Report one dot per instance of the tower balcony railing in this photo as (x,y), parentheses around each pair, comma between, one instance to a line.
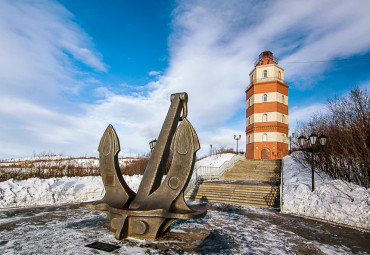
(259,59)
(276,78)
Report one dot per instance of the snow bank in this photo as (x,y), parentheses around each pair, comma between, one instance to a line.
(214,160)
(35,191)
(332,200)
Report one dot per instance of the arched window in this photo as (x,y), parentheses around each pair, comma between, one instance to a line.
(283,118)
(264,73)
(249,139)
(252,78)
(264,119)
(249,102)
(279,75)
(264,138)
(282,98)
(265,98)
(249,120)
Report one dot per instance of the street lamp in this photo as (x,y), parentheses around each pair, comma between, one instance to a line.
(152,144)
(237,140)
(290,142)
(311,142)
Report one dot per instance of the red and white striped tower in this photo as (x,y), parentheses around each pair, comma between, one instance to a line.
(267,110)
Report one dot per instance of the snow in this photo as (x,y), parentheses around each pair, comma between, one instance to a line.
(333,200)
(224,230)
(36,192)
(214,160)
(56,161)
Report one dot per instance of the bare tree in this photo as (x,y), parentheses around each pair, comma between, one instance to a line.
(347,126)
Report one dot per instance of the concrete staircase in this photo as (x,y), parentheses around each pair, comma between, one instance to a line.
(249,182)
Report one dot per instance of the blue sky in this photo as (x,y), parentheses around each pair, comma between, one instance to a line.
(69,68)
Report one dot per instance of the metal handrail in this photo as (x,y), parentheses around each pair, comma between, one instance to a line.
(281,182)
(259,59)
(211,172)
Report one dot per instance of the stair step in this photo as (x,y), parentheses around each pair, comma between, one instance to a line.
(230,201)
(246,198)
(228,191)
(249,182)
(225,186)
(243,198)
(234,194)
(239,188)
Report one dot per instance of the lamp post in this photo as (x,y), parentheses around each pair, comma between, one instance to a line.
(237,138)
(310,142)
(152,144)
(290,142)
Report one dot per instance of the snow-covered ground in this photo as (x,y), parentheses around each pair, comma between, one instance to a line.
(333,200)
(34,191)
(214,160)
(224,230)
(49,161)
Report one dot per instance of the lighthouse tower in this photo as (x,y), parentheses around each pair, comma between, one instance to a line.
(267,110)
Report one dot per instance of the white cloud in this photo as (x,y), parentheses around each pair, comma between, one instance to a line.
(298,114)
(154,73)
(365,85)
(212,50)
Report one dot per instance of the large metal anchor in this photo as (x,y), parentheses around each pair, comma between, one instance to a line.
(149,213)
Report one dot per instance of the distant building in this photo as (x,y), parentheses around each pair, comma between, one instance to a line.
(267,110)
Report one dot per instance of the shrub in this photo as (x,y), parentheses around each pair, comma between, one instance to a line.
(346,155)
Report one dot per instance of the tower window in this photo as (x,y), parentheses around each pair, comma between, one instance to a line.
(279,75)
(264,73)
(265,98)
(249,139)
(249,102)
(249,120)
(282,98)
(264,119)
(283,118)
(264,138)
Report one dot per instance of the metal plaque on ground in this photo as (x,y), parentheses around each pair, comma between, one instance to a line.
(103,246)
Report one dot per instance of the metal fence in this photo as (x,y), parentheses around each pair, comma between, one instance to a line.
(211,173)
(281,183)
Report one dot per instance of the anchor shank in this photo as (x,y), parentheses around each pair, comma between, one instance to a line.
(155,169)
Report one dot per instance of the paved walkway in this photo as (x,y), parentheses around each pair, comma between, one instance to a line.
(225,230)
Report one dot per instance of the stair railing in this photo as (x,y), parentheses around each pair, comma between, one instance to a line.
(211,172)
(281,182)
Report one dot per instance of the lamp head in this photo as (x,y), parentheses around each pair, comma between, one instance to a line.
(302,140)
(152,144)
(313,139)
(323,139)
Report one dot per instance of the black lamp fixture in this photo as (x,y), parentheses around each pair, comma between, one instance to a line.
(152,144)
(290,142)
(310,142)
(312,139)
(323,139)
(302,140)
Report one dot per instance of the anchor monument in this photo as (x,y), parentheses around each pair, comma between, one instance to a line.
(148,213)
